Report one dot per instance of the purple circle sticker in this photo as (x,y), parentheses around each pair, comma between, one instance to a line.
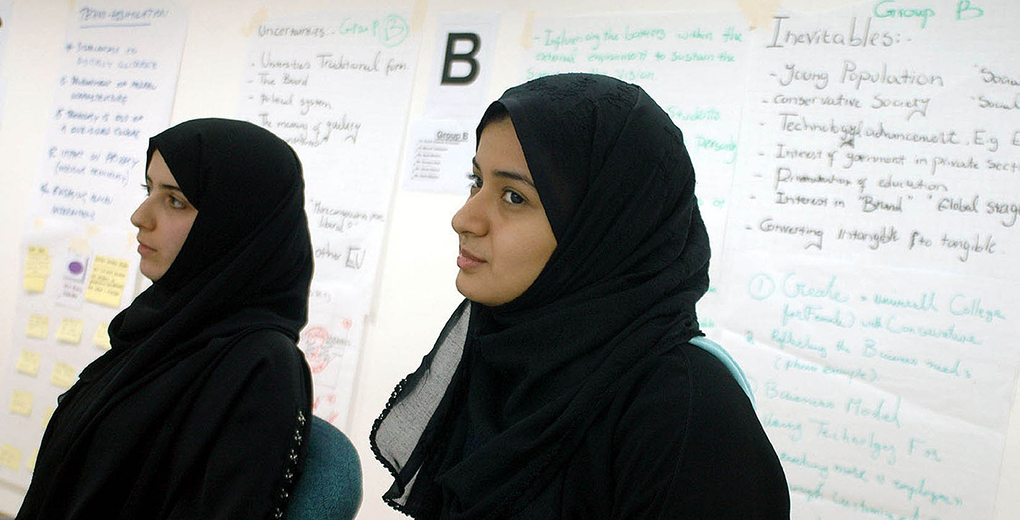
(76,267)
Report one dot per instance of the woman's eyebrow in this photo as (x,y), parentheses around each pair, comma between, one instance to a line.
(507,174)
(148,180)
(171,187)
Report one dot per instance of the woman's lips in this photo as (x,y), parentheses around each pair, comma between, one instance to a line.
(467,260)
(144,249)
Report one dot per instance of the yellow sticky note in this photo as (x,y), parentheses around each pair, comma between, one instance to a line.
(38,326)
(63,375)
(21,403)
(102,337)
(70,330)
(37,262)
(37,269)
(10,457)
(35,283)
(28,362)
(30,462)
(46,417)
(107,280)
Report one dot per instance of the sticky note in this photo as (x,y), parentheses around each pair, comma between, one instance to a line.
(28,362)
(21,403)
(102,337)
(30,461)
(35,283)
(10,457)
(107,280)
(70,330)
(38,326)
(46,417)
(37,261)
(37,269)
(63,375)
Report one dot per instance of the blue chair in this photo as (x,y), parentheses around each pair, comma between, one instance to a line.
(330,487)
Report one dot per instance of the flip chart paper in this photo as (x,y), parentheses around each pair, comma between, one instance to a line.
(868,261)
(115,88)
(693,66)
(337,88)
(332,343)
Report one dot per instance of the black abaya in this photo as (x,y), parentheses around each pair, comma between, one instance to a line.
(582,398)
(201,407)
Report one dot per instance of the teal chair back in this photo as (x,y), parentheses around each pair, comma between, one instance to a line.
(330,486)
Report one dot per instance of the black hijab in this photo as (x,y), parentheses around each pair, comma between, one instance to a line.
(509,392)
(244,269)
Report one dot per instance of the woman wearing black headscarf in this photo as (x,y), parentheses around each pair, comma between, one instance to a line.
(200,408)
(567,384)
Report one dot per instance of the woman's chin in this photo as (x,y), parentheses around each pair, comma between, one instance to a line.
(151,272)
(480,292)
(469,288)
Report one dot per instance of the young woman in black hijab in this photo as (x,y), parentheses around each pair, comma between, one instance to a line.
(567,384)
(201,407)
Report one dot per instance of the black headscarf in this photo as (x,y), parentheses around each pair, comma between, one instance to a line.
(145,424)
(509,392)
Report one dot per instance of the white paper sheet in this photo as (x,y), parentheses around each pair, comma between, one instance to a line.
(332,344)
(337,88)
(905,377)
(880,154)
(462,100)
(439,156)
(871,293)
(693,66)
(115,89)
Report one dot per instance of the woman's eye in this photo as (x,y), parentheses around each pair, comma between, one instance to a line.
(475,181)
(513,197)
(176,204)
(145,187)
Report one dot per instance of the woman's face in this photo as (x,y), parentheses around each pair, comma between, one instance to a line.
(163,219)
(505,237)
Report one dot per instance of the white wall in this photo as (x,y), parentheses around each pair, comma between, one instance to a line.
(416,292)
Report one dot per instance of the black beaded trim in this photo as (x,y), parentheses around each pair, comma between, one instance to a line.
(290,469)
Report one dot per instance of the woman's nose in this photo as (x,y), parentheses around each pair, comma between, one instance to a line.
(470,218)
(142,217)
